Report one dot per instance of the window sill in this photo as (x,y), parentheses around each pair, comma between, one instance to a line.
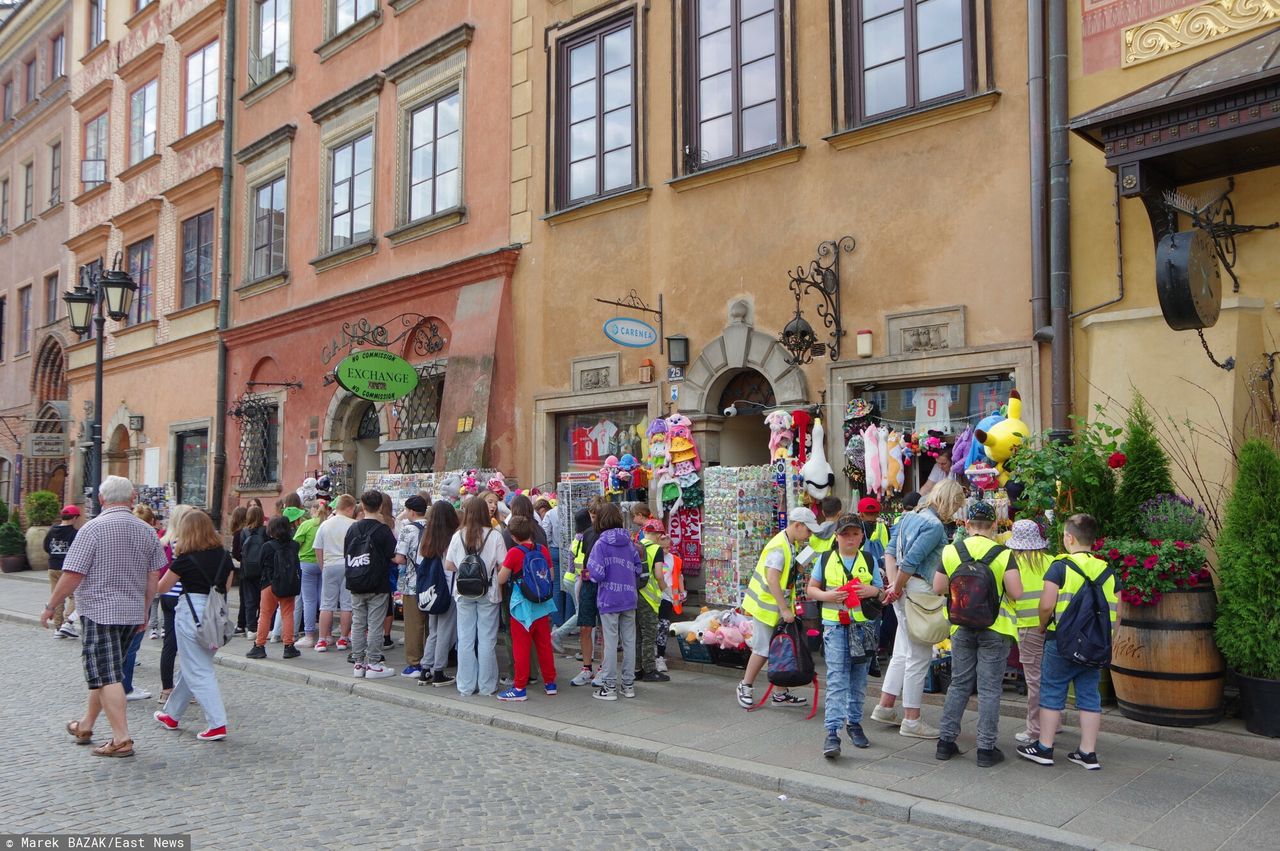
(346,254)
(25,226)
(22,356)
(338,41)
(95,51)
(261,489)
(125,330)
(402,6)
(426,226)
(192,310)
(27,109)
(737,168)
(91,193)
(47,92)
(258,286)
(197,136)
(141,16)
(5,235)
(51,210)
(139,167)
(899,124)
(260,90)
(596,206)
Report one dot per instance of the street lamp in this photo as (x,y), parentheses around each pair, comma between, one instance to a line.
(112,294)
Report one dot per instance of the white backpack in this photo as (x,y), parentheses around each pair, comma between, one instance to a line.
(214,626)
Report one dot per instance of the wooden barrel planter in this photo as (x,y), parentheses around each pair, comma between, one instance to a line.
(1165,666)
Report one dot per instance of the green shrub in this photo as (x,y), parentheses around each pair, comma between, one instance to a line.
(4,512)
(1248,626)
(43,508)
(12,542)
(1146,470)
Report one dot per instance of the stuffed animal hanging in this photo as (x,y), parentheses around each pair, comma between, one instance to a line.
(803,444)
(1001,440)
(818,475)
(780,434)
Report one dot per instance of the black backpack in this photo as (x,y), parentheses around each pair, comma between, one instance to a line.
(973,600)
(283,568)
(367,569)
(251,543)
(473,573)
(1083,632)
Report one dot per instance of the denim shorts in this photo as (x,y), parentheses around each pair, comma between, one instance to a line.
(588,614)
(1057,673)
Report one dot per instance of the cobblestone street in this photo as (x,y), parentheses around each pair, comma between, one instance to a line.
(308,768)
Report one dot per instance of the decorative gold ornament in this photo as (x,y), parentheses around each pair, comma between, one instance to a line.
(1195,26)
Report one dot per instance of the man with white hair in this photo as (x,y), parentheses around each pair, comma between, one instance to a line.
(113,570)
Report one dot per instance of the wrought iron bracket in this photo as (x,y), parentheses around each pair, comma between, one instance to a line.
(290,385)
(633,301)
(425,332)
(1217,216)
(822,278)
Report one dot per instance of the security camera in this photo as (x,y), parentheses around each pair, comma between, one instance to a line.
(731,411)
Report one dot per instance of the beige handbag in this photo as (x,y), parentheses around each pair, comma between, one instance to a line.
(927,621)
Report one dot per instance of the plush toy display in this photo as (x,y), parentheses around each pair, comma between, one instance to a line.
(451,489)
(1001,440)
(307,492)
(693,630)
(818,475)
(804,444)
(896,468)
(976,451)
(498,484)
(780,434)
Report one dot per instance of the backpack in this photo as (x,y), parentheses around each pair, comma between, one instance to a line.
(1083,632)
(251,544)
(434,596)
(537,580)
(972,597)
(790,663)
(367,569)
(214,626)
(286,571)
(473,573)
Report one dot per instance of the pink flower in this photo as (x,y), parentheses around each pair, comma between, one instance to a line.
(1130,561)
(1179,582)
(1193,580)
(1150,562)
(1163,576)
(1113,554)
(1182,545)
(1204,574)
(1117,460)
(1156,543)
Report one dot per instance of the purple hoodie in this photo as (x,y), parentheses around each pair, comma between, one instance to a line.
(615,566)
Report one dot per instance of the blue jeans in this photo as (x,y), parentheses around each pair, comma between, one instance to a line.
(477,646)
(131,659)
(846,679)
(312,574)
(195,669)
(1057,673)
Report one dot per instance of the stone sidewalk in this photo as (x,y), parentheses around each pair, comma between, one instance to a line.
(1150,793)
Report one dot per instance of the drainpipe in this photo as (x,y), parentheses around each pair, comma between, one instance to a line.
(224,260)
(1038,131)
(1059,224)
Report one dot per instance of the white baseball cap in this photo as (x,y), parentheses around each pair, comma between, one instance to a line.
(805,516)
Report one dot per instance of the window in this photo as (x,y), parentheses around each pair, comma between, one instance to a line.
(4,205)
(140,259)
(97,22)
(52,298)
(55,174)
(30,93)
(2,327)
(202,87)
(192,468)
(435,142)
(584,440)
(259,436)
(908,53)
(139,5)
(57,56)
(269,201)
(734,106)
(94,167)
(28,191)
(347,12)
(270,53)
(142,123)
(8,99)
(351,179)
(197,259)
(596,125)
(24,320)
(6,480)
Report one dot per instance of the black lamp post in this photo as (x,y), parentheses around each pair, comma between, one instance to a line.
(111,292)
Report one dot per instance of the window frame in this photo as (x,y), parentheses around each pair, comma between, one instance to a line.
(28,191)
(203,53)
(24,320)
(454,90)
(268,183)
(331,189)
(52,297)
(257,74)
(8,99)
(562,124)
(333,10)
(96,31)
(57,56)
(30,75)
(190,288)
(55,173)
(4,301)
(179,456)
(102,146)
(138,147)
(4,203)
(142,309)
(855,99)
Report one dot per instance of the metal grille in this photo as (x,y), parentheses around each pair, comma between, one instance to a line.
(369,428)
(417,417)
(259,418)
(747,386)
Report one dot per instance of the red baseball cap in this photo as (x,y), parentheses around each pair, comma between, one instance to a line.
(653,524)
(69,511)
(868,505)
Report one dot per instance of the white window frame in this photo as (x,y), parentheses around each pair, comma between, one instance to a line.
(347,13)
(97,145)
(142,143)
(203,68)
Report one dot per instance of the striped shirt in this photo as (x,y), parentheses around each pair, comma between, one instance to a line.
(114,552)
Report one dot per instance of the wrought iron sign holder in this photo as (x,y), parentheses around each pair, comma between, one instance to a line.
(1217,216)
(633,301)
(425,333)
(822,277)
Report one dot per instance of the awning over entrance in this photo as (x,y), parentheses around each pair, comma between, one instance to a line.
(407,444)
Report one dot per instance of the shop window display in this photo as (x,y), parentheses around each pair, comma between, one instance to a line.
(586,440)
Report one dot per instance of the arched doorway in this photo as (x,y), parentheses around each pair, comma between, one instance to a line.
(368,435)
(117,454)
(49,393)
(744,437)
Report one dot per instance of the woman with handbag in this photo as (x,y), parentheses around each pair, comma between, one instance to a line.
(914,554)
(281,584)
(200,564)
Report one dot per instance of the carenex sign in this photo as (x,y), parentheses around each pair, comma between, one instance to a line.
(377,375)
(626,331)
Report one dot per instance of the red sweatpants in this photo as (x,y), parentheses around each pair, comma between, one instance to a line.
(540,636)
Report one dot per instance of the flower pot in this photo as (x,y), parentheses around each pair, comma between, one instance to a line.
(1260,705)
(13,564)
(1165,666)
(36,556)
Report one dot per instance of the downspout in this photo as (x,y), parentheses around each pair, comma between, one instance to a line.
(1059,224)
(224,260)
(1038,131)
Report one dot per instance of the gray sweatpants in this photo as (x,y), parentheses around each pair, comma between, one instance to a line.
(367,614)
(615,625)
(976,655)
(442,633)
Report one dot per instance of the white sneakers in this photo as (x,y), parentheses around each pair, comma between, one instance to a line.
(377,672)
(660,664)
(305,641)
(917,729)
(887,715)
(138,694)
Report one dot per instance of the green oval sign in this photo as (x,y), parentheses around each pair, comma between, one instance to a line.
(377,375)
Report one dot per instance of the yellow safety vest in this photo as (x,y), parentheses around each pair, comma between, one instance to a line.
(578,559)
(880,534)
(822,545)
(979,546)
(651,593)
(1028,606)
(1092,566)
(758,602)
(833,576)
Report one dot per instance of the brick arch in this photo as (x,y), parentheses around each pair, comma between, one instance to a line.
(48,373)
(266,369)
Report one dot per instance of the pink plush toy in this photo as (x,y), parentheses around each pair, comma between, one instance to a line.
(730,638)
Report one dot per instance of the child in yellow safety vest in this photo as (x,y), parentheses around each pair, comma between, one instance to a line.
(651,591)
(1031,555)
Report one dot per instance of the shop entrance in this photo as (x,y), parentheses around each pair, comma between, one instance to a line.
(744,437)
(367,436)
(117,455)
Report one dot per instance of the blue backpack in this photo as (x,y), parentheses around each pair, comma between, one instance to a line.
(1083,632)
(537,580)
(434,595)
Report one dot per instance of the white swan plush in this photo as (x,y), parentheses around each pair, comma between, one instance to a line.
(818,475)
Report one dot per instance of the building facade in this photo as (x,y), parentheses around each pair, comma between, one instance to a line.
(35,134)
(372,211)
(1176,109)
(145,176)
(697,156)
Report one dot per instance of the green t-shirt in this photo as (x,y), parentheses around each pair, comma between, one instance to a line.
(306,538)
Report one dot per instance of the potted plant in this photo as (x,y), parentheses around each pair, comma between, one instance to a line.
(13,548)
(43,509)
(1248,625)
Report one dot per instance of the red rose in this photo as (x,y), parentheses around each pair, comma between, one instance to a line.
(1204,574)
(1150,562)
(1178,582)
(1182,545)
(1163,576)
(1131,561)
(1193,580)
(1156,543)
(1113,554)
(1117,460)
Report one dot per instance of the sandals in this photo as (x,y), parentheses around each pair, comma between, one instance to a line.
(112,749)
(82,738)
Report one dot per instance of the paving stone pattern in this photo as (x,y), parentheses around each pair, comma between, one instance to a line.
(313,768)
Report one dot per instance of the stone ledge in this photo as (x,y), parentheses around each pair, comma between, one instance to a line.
(346,254)
(426,226)
(335,43)
(899,124)
(596,206)
(736,168)
(260,90)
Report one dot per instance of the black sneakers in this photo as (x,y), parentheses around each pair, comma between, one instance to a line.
(831,747)
(291,652)
(1036,753)
(1087,761)
(946,750)
(858,737)
(988,758)
(256,652)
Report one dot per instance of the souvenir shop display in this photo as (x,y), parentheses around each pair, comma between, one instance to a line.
(1000,440)
(401,486)
(573,492)
(684,528)
(818,475)
(739,517)
(158,499)
(886,455)
(858,414)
